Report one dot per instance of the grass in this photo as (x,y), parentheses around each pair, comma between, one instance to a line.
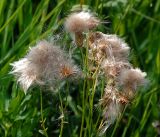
(72,111)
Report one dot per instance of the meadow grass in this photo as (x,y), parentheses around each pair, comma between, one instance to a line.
(73,111)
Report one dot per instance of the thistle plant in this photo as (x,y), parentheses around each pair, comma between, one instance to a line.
(48,65)
(110,52)
(122,80)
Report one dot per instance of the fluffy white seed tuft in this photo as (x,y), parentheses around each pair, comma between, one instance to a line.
(45,64)
(25,73)
(80,22)
(132,78)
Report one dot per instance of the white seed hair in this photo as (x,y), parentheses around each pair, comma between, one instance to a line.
(132,78)
(43,65)
(80,22)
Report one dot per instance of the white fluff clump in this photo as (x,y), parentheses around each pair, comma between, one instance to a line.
(109,47)
(111,53)
(112,103)
(112,68)
(132,78)
(26,74)
(116,48)
(80,22)
(45,64)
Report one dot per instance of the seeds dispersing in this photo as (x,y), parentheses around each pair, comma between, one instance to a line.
(45,64)
(111,53)
(77,23)
(80,22)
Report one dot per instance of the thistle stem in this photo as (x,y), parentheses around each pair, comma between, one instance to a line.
(42,117)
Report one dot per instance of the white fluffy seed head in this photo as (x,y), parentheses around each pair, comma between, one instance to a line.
(116,48)
(113,111)
(132,78)
(112,47)
(110,114)
(46,58)
(80,22)
(112,68)
(112,106)
(44,64)
(26,74)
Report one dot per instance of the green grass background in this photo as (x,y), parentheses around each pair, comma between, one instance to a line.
(72,112)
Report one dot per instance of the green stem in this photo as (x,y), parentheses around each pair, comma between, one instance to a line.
(83,107)
(62,116)
(117,122)
(67,89)
(42,118)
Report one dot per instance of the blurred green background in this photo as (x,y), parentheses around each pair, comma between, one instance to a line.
(24,22)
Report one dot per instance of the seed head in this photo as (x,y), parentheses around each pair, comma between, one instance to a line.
(116,49)
(44,64)
(80,22)
(108,46)
(132,78)
(69,71)
(25,74)
(112,104)
(112,68)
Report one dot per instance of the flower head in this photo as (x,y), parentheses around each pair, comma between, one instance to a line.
(44,64)
(77,23)
(112,68)
(110,46)
(116,48)
(80,22)
(132,78)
